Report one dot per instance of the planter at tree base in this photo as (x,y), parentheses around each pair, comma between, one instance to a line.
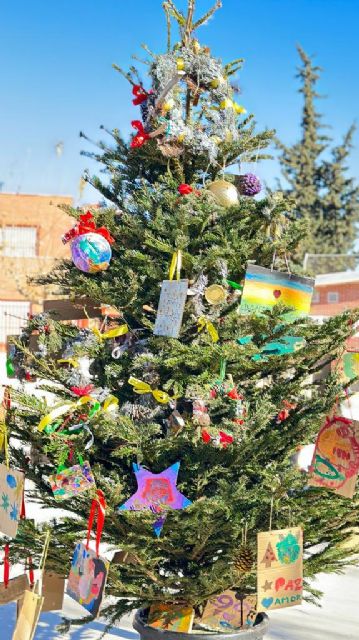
(150,633)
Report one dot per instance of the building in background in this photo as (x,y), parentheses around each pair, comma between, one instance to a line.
(31,227)
(335,293)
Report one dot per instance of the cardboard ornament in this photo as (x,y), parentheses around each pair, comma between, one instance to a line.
(12,589)
(72,481)
(229,611)
(53,589)
(88,573)
(11,499)
(335,463)
(280,568)
(264,288)
(28,617)
(171,617)
(170,308)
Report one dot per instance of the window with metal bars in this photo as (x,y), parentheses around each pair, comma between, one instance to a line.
(18,242)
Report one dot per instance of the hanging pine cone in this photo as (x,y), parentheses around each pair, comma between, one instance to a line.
(248,184)
(243,562)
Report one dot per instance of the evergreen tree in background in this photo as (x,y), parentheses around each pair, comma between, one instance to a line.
(213,380)
(326,199)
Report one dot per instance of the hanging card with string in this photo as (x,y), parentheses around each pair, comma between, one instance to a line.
(11,499)
(11,589)
(88,573)
(72,481)
(53,589)
(280,568)
(264,288)
(172,301)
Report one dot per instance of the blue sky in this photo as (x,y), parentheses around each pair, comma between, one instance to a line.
(57,79)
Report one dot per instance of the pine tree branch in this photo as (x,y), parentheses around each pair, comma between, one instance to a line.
(207,16)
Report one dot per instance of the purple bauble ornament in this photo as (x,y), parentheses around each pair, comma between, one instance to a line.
(248,184)
(91,252)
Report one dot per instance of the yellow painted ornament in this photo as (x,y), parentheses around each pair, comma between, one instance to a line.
(215,294)
(180,64)
(226,104)
(225,193)
(238,108)
(168,105)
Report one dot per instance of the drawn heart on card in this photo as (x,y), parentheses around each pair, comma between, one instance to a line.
(277,293)
(266,602)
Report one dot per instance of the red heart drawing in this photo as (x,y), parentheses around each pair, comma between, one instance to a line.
(277,293)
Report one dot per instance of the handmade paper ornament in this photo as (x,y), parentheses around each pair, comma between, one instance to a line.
(73,481)
(248,184)
(264,288)
(225,193)
(229,611)
(156,492)
(171,617)
(335,463)
(11,501)
(348,367)
(90,246)
(11,589)
(172,301)
(215,294)
(28,616)
(53,589)
(88,573)
(280,568)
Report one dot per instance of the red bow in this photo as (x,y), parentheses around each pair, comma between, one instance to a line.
(224,438)
(141,95)
(284,413)
(87,224)
(140,138)
(82,391)
(185,189)
(234,395)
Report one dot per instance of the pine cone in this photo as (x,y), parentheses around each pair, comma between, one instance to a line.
(243,562)
(248,184)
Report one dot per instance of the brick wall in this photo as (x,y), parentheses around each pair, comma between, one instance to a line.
(348,298)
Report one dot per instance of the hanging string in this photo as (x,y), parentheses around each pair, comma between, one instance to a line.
(45,551)
(6,565)
(271,512)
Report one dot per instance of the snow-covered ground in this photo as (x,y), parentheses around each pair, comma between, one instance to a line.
(337,619)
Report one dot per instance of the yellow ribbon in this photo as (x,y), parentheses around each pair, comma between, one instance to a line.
(61,409)
(143,387)
(112,333)
(110,403)
(72,361)
(176,264)
(4,442)
(203,323)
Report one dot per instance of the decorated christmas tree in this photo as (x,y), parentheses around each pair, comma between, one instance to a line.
(170,426)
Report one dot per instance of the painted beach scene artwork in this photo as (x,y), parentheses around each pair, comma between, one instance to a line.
(264,288)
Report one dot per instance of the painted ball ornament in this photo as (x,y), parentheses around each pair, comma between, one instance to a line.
(91,252)
(225,193)
(248,185)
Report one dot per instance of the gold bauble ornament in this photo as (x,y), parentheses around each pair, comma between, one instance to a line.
(180,64)
(215,294)
(225,193)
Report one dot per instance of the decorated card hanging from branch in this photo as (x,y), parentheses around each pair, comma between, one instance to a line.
(88,573)
(11,499)
(335,463)
(263,289)
(172,301)
(171,617)
(280,568)
(229,611)
(72,481)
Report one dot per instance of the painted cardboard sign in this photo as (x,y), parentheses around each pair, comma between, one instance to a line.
(53,589)
(87,578)
(15,589)
(170,617)
(263,289)
(349,366)
(280,568)
(11,494)
(335,463)
(229,611)
(28,616)
(72,481)
(170,308)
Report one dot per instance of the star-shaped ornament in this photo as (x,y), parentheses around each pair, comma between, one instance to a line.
(156,492)
(267,586)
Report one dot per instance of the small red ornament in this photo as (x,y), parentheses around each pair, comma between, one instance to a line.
(27,376)
(184,189)
(277,293)
(284,413)
(206,436)
(141,95)
(141,136)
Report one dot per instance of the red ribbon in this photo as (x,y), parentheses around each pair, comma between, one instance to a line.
(22,511)
(97,506)
(31,571)
(224,438)
(141,95)
(82,391)
(185,189)
(141,136)
(6,565)
(87,224)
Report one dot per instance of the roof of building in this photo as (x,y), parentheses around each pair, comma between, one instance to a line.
(340,277)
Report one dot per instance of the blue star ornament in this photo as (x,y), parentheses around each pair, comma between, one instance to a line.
(156,492)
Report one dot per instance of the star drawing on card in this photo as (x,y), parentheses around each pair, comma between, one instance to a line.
(14,513)
(5,502)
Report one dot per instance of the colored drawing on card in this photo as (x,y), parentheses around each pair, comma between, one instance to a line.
(87,579)
(72,481)
(264,288)
(170,617)
(335,463)
(11,494)
(156,492)
(229,611)
(280,584)
(170,308)
(349,366)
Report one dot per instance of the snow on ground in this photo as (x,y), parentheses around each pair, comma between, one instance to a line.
(337,619)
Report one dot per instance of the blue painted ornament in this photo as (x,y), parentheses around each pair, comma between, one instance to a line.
(91,252)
